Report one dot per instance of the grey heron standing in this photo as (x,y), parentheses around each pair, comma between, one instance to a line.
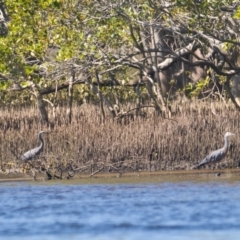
(217,155)
(33,153)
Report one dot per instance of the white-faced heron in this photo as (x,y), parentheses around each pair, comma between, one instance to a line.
(33,153)
(217,155)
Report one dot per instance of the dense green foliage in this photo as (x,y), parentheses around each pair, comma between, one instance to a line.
(48,40)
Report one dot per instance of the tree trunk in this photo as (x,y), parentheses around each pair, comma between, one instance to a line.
(4,18)
(42,109)
(197,72)
(40,103)
(161,76)
(100,97)
(96,91)
(235,90)
(70,97)
(137,91)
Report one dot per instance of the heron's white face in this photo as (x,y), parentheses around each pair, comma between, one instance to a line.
(229,134)
(41,132)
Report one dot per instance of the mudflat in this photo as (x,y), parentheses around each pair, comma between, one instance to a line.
(133,177)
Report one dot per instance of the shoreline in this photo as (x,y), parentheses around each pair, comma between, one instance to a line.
(158,176)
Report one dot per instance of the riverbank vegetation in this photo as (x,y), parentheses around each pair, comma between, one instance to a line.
(132,144)
(120,85)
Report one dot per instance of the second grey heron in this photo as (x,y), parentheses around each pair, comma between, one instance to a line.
(217,155)
(33,153)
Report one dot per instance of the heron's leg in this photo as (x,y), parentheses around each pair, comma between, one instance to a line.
(26,167)
(34,173)
(215,166)
(208,166)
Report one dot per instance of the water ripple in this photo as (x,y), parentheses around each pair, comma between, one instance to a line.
(120,211)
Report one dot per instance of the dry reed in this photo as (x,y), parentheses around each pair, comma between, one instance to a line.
(148,143)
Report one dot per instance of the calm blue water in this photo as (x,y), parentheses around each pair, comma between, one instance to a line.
(185,210)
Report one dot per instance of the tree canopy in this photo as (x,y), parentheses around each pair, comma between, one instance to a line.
(99,46)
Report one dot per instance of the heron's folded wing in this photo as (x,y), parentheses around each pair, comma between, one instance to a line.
(30,154)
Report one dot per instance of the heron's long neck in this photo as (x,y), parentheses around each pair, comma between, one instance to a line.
(41,140)
(225,147)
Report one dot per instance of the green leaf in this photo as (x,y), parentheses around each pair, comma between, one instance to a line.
(25,84)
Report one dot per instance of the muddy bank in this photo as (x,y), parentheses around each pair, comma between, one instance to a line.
(133,177)
(14,177)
